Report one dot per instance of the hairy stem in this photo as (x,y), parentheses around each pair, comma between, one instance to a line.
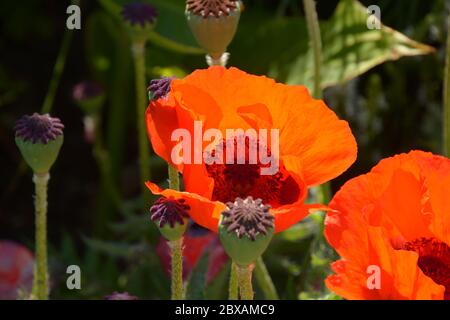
(58,68)
(233,288)
(40,289)
(174,178)
(176,248)
(245,282)
(265,281)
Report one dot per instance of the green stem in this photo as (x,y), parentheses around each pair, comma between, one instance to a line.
(40,289)
(174,178)
(102,157)
(245,282)
(265,281)
(234,284)
(138,49)
(314,34)
(446,107)
(324,193)
(58,69)
(176,247)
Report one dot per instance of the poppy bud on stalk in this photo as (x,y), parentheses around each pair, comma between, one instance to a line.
(245,229)
(139,19)
(214,24)
(89,96)
(171,217)
(39,139)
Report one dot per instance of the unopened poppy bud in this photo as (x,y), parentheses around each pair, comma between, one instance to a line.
(213,23)
(159,88)
(39,139)
(89,96)
(171,217)
(245,229)
(140,19)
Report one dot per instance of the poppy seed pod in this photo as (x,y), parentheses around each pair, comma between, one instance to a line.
(171,217)
(139,19)
(213,23)
(39,139)
(245,229)
(89,96)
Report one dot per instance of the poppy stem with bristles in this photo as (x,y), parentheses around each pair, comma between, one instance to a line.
(40,286)
(138,50)
(245,282)
(174,178)
(176,246)
(233,290)
(176,249)
(265,281)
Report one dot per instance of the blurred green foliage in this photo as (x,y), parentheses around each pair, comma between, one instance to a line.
(391,107)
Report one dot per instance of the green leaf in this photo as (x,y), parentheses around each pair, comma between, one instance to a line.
(300,231)
(279,46)
(114,249)
(349,48)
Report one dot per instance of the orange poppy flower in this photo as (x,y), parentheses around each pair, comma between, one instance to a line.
(314,145)
(394,219)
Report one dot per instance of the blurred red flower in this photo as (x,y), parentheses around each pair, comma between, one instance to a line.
(16,270)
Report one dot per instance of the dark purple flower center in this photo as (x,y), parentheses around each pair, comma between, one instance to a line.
(38,127)
(139,13)
(159,88)
(169,211)
(215,8)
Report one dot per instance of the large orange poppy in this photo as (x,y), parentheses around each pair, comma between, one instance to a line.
(397,219)
(314,145)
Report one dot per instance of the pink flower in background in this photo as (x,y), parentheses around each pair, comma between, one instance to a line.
(16,269)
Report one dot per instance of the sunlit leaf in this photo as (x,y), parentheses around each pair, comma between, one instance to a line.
(350,48)
(279,46)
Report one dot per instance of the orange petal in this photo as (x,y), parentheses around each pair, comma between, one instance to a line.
(161,120)
(400,277)
(375,213)
(322,144)
(286,216)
